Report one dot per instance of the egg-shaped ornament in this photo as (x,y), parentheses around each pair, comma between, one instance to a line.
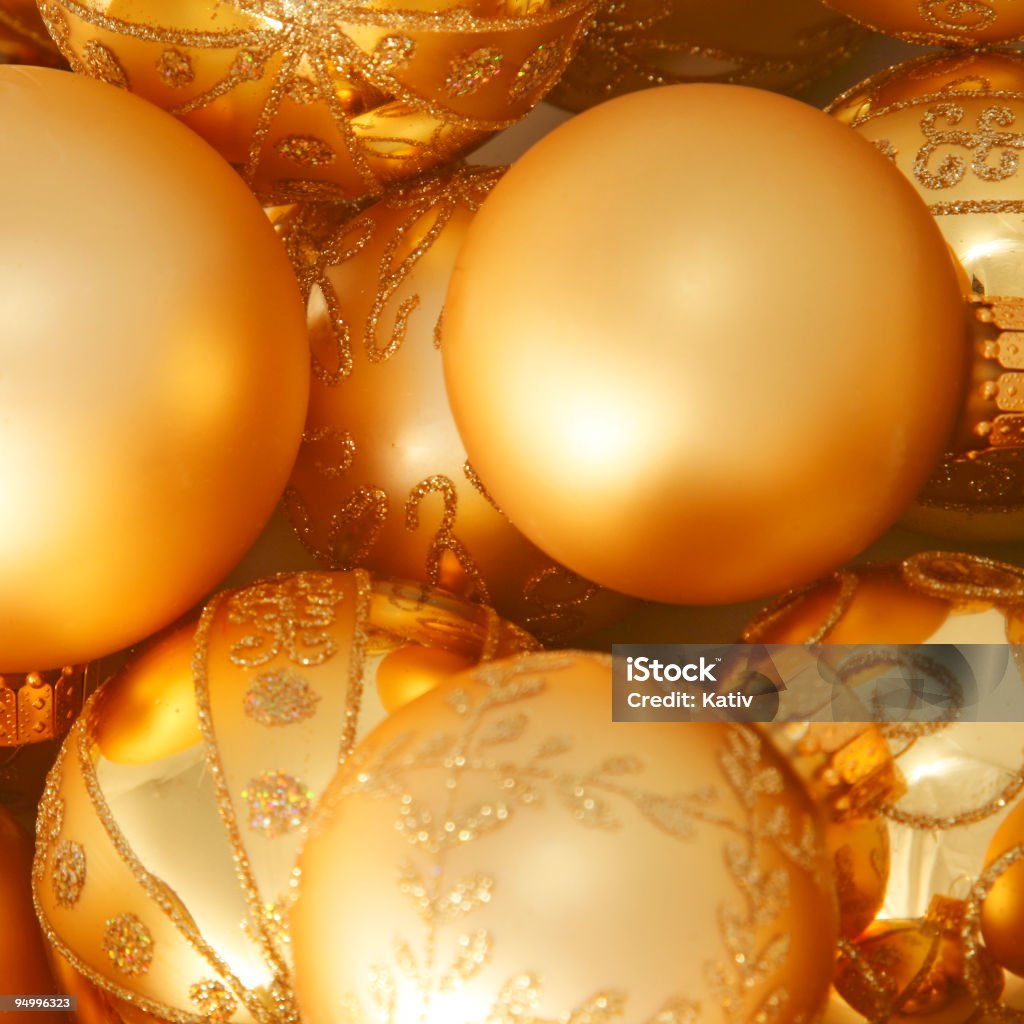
(1001,891)
(639,44)
(382,479)
(168,833)
(939,22)
(155,369)
(954,125)
(603,422)
(327,99)
(500,849)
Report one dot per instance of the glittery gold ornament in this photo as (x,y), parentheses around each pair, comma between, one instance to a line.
(23,965)
(511,839)
(849,771)
(315,99)
(153,399)
(1002,912)
(23,36)
(637,44)
(604,422)
(916,968)
(954,125)
(939,22)
(170,825)
(382,478)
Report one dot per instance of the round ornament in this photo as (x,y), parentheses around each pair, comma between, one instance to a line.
(325,99)
(1002,912)
(23,36)
(613,433)
(155,369)
(23,965)
(939,22)
(167,836)
(637,44)
(486,850)
(954,125)
(382,479)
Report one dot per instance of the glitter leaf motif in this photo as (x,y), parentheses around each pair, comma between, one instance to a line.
(305,150)
(472,72)
(280,698)
(278,803)
(213,1001)
(392,53)
(128,944)
(535,70)
(175,68)
(68,874)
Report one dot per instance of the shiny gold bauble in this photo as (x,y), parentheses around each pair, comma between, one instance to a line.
(939,22)
(23,965)
(1002,913)
(637,44)
(155,369)
(321,99)
(168,833)
(382,478)
(23,36)
(954,125)
(677,388)
(501,850)
(916,968)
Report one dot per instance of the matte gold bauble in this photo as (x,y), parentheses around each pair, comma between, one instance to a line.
(1002,912)
(916,968)
(639,339)
(169,829)
(23,36)
(155,369)
(382,478)
(954,125)
(500,850)
(637,44)
(939,22)
(324,99)
(23,966)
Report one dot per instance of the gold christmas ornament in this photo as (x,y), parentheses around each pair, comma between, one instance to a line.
(637,44)
(511,838)
(916,968)
(939,22)
(23,36)
(594,407)
(23,965)
(324,99)
(140,462)
(1002,912)
(382,479)
(954,125)
(167,836)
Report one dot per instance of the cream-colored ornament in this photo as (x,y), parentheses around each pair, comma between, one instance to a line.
(167,836)
(499,850)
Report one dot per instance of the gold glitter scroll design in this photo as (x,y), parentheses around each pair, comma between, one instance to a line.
(556,601)
(989,137)
(503,789)
(292,619)
(40,706)
(624,51)
(958,15)
(381,127)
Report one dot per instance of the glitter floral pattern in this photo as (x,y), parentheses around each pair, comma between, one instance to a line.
(280,698)
(278,803)
(128,944)
(68,876)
